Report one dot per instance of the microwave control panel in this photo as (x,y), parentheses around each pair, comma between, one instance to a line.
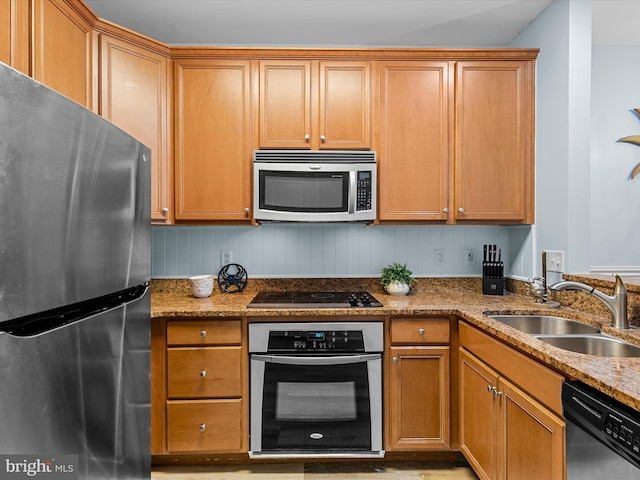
(363,188)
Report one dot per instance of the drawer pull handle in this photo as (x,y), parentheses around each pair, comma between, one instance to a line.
(203,373)
(421,331)
(203,427)
(203,333)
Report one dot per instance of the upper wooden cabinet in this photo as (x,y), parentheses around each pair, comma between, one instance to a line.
(456,141)
(62,51)
(315,104)
(135,96)
(494,141)
(14,34)
(212,101)
(414,140)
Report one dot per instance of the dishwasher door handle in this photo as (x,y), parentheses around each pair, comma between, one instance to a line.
(341,360)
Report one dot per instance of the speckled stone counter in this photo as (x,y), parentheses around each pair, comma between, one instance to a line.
(618,377)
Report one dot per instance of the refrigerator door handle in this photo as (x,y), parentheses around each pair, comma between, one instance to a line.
(39,323)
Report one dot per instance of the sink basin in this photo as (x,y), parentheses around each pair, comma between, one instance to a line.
(545,325)
(599,345)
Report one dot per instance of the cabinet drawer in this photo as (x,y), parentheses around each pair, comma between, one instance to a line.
(204,332)
(199,372)
(209,425)
(416,331)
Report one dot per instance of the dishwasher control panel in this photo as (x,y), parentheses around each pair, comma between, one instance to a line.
(623,430)
(613,423)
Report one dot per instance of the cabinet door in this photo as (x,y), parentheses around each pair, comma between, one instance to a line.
(14,34)
(62,56)
(212,139)
(478,416)
(531,439)
(418,398)
(285,104)
(134,96)
(345,105)
(414,146)
(494,141)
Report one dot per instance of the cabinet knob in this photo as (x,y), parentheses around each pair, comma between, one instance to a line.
(307,137)
(203,333)
(246,211)
(165,210)
(461,210)
(203,427)
(203,373)
(421,331)
(395,359)
(323,138)
(445,210)
(494,391)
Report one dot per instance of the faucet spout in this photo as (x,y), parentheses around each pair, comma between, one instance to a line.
(616,304)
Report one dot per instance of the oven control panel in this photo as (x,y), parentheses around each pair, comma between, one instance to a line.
(329,341)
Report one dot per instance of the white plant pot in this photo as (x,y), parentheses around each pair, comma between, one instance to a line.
(397,288)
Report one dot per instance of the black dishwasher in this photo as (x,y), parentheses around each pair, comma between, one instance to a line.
(602,435)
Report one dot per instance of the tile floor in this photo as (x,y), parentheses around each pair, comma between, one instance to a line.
(319,471)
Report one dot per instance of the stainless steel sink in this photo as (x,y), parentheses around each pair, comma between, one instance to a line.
(545,325)
(570,335)
(599,345)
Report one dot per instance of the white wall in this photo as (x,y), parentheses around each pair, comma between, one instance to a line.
(615,200)
(585,204)
(563,34)
(322,250)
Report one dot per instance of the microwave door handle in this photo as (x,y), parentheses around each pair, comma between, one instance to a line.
(342,360)
(352,191)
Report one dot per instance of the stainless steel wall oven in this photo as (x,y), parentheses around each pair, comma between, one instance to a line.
(316,389)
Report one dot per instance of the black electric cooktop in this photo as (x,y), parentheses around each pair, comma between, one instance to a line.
(313,300)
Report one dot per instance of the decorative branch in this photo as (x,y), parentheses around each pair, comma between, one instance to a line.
(635,140)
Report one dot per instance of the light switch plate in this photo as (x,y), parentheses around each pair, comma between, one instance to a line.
(555,260)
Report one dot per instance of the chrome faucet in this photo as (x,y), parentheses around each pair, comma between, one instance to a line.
(617,304)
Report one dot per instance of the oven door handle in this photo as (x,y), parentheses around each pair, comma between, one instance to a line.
(342,360)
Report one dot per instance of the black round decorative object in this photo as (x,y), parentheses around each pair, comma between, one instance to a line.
(232,278)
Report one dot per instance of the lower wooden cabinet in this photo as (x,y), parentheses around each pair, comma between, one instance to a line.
(204,426)
(505,432)
(198,387)
(418,385)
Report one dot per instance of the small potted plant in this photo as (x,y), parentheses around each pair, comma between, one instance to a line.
(396,279)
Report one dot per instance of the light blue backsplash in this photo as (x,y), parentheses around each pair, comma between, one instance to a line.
(334,250)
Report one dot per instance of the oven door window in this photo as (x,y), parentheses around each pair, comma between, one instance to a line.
(319,407)
(312,192)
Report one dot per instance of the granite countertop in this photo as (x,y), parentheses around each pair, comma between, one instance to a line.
(617,377)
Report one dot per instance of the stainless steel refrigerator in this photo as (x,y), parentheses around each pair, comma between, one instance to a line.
(74,272)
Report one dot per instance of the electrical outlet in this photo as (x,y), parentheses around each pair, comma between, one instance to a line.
(226,257)
(440,257)
(469,255)
(555,260)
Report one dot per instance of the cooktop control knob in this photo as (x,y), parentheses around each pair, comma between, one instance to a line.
(353,300)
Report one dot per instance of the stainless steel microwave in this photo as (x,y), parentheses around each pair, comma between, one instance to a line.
(314,186)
